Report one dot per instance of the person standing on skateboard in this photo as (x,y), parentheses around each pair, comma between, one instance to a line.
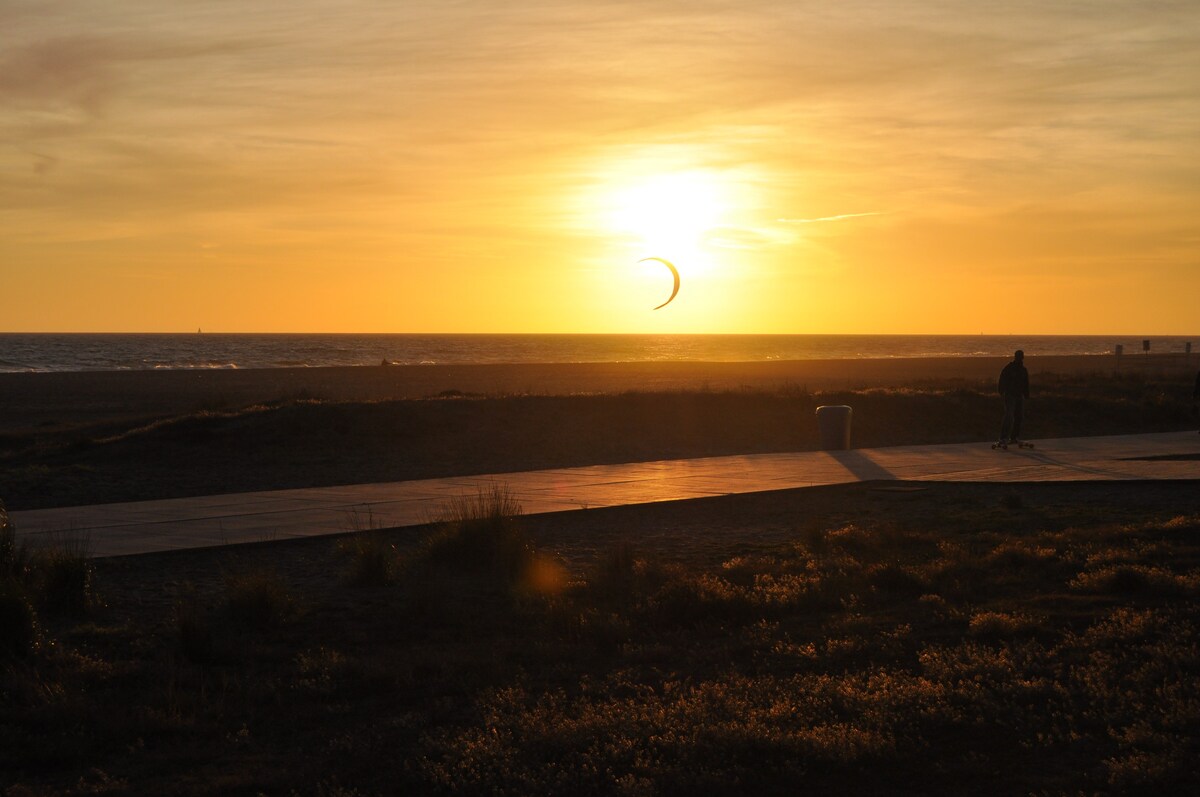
(1014,387)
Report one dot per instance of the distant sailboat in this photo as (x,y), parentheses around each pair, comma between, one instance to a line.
(197,330)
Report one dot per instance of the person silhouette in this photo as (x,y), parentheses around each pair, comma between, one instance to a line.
(1014,388)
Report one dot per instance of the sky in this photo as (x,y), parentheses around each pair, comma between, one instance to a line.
(864,166)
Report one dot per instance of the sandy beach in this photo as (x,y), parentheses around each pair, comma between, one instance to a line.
(33,400)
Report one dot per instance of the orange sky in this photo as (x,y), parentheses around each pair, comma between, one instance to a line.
(850,167)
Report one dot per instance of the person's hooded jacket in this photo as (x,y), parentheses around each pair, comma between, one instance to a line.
(1014,380)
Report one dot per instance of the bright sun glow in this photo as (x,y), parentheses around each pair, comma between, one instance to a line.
(671,215)
(673,207)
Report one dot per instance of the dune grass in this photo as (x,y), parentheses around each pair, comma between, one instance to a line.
(480,534)
(64,575)
(867,645)
(18,620)
(373,562)
(55,579)
(15,557)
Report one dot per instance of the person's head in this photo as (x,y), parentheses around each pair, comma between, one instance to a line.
(1018,355)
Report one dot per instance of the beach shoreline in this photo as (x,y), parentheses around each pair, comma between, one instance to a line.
(29,401)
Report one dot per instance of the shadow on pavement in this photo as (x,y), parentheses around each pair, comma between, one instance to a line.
(862,466)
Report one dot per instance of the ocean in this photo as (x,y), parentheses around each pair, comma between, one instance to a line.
(21,352)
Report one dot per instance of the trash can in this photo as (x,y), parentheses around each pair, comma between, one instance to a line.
(833,422)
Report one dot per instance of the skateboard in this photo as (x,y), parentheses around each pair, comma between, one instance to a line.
(1018,444)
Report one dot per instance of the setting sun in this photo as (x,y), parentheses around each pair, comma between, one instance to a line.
(670,212)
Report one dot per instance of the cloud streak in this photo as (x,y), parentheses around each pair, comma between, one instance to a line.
(840,217)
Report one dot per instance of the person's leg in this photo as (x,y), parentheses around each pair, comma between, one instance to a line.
(1006,424)
(1018,411)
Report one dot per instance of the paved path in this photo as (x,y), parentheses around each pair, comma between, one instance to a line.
(145,526)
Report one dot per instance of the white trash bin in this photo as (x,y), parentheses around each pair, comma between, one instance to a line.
(833,422)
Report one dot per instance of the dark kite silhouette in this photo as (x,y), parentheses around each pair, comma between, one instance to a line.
(674,273)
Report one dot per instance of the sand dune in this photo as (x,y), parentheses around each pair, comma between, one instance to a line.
(28,401)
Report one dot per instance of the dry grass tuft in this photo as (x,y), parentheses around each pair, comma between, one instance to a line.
(66,576)
(481,535)
(257,599)
(19,632)
(194,627)
(15,559)
(374,562)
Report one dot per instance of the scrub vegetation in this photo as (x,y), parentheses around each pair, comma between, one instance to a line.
(947,641)
(55,580)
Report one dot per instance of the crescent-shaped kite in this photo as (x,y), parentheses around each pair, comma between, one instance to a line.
(674,273)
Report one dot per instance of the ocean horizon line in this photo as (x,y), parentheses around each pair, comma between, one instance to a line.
(110,351)
(1119,334)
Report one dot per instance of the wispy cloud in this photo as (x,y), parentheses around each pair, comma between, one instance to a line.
(840,217)
(42,164)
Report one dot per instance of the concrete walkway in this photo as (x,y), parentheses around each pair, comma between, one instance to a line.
(146,526)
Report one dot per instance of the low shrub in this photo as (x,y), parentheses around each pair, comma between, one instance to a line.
(257,599)
(892,579)
(621,575)
(815,540)
(18,622)
(193,624)
(997,625)
(1130,579)
(65,576)
(616,565)
(702,599)
(373,562)
(14,557)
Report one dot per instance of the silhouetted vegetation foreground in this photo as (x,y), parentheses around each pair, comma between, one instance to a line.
(309,442)
(967,639)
